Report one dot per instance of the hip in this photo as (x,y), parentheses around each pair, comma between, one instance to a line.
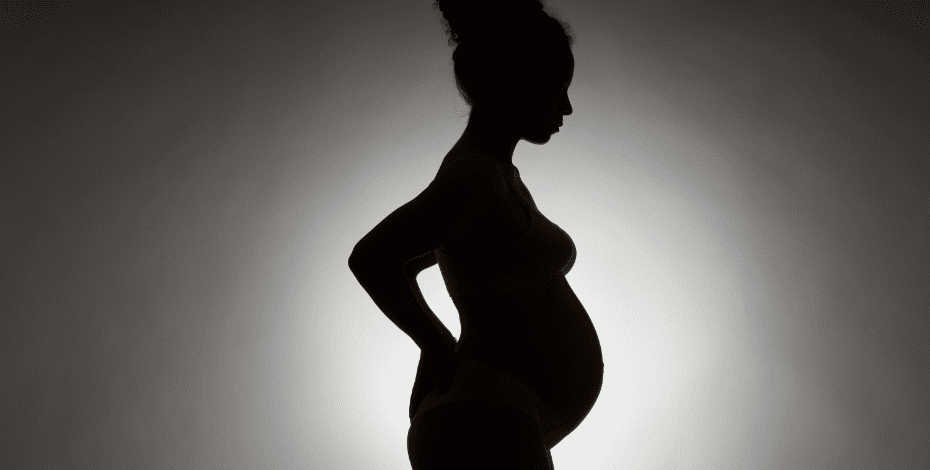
(475,381)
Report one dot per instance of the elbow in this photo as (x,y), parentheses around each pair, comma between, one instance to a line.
(370,263)
(355,262)
(360,261)
(360,256)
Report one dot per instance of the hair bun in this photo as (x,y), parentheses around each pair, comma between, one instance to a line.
(471,19)
(503,47)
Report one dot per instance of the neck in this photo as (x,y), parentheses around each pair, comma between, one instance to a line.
(491,134)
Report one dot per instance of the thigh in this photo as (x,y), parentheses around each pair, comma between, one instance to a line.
(476,434)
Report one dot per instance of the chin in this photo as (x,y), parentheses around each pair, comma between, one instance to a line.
(539,139)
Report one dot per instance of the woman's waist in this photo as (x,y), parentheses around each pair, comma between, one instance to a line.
(542,359)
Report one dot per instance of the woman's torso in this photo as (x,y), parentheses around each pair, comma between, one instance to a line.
(540,335)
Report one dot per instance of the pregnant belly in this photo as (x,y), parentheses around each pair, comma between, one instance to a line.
(544,338)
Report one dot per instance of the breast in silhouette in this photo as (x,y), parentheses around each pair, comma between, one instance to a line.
(532,259)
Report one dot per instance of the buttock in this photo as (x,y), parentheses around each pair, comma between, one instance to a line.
(474,381)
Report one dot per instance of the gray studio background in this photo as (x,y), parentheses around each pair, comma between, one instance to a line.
(182,183)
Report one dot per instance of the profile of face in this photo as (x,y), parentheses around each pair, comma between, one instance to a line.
(543,104)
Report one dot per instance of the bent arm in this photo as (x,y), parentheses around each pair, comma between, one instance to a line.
(401,301)
(461,206)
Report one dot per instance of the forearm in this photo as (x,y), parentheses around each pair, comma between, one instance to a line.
(418,295)
(392,292)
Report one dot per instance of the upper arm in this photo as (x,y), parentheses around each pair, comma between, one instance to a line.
(461,202)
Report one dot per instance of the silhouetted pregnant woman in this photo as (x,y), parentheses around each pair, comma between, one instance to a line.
(528,366)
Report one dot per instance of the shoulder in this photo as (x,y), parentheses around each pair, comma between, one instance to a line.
(473,176)
(463,202)
(467,196)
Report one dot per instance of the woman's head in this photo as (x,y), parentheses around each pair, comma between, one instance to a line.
(512,60)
